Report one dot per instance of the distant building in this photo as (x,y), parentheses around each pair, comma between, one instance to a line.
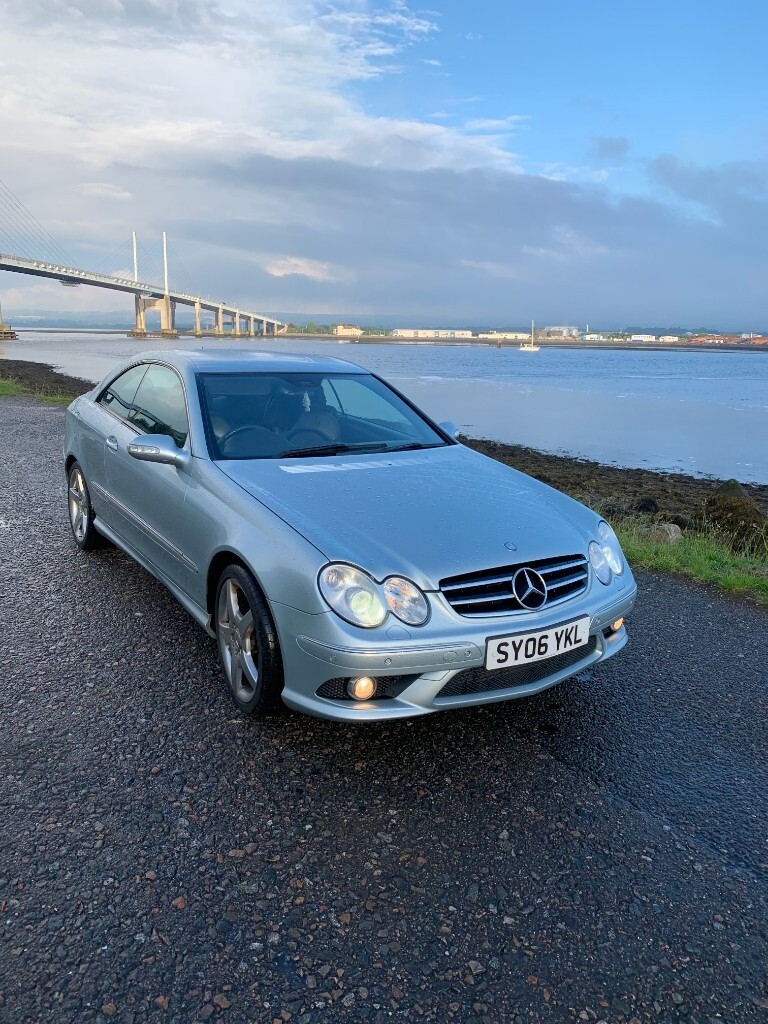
(415,332)
(558,332)
(594,337)
(347,331)
(504,335)
(642,337)
(671,339)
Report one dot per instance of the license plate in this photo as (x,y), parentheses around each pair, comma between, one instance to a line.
(524,648)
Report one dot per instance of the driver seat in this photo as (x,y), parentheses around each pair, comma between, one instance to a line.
(317,419)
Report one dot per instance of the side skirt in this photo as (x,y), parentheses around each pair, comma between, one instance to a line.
(200,615)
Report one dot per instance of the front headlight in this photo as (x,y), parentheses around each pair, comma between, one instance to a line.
(599,562)
(406,601)
(353,595)
(611,547)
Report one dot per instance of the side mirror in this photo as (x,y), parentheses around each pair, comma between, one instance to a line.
(158,448)
(449,427)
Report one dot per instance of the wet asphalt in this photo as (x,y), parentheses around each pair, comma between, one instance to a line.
(596,853)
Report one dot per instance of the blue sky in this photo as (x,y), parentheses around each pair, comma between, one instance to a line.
(678,77)
(482,163)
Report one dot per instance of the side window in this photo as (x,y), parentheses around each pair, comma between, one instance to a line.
(159,406)
(118,397)
(359,400)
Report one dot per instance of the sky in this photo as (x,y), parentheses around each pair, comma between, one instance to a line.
(485,163)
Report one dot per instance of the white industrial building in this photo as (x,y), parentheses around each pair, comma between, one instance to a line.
(504,335)
(558,332)
(413,332)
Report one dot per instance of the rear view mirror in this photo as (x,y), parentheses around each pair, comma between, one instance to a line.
(157,448)
(450,428)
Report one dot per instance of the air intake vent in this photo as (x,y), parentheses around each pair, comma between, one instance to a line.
(481,680)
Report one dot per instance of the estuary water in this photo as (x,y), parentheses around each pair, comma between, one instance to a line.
(699,412)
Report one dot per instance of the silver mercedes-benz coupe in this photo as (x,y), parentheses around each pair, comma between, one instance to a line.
(352,559)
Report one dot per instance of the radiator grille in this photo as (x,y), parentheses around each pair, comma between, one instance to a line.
(482,680)
(489,591)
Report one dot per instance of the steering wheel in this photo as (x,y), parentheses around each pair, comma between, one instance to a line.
(309,432)
(224,442)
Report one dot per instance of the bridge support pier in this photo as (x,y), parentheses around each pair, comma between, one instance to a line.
(167,309)
(198,328)
(237,325)
(219,328)
(251,330)
(7,333)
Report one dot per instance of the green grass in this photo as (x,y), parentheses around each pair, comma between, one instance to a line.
(701,556)
(15,389)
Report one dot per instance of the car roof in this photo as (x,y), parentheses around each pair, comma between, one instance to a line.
(239,360)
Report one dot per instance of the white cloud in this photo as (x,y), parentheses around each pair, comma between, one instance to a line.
(495,124)
(102,190)
(313,269)
(238,126)
(505,271)
(432,62)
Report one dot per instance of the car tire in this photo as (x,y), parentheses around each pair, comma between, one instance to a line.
(249,649)
(81,514)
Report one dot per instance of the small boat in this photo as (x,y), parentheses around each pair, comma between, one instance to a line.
(530,346)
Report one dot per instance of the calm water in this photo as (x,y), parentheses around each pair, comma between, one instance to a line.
(696,412)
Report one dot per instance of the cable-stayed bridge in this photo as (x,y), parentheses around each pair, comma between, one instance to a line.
(26,247)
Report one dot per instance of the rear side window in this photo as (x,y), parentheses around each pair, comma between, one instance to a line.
(159,406)
(118,397)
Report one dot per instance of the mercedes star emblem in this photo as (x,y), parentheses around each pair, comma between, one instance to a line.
(529,588)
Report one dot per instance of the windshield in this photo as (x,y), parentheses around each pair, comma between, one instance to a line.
(291,415)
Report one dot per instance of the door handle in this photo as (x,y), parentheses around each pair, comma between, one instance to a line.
(112,443)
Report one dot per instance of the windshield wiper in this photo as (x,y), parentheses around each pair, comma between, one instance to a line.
(413,446)
(332,449)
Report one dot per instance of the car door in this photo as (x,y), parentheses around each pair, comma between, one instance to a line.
(148,497)
(97,421)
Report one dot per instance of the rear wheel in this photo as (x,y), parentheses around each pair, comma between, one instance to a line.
(81,510)
(249,650)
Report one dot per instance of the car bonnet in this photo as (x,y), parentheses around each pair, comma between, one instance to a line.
(424,514)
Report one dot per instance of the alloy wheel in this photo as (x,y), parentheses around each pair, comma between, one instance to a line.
(79,505)
(237,641)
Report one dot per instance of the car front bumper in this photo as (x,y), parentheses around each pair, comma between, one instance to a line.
(319,648)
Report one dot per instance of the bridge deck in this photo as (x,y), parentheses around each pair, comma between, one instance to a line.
(73,275)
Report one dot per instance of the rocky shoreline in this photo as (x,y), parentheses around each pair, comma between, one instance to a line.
(615,490)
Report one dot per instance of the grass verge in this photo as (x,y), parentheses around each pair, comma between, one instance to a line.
(699,555)
(10,388)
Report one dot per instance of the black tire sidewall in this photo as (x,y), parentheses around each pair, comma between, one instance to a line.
(266,698)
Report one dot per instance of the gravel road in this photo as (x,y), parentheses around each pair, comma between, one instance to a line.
(596,853)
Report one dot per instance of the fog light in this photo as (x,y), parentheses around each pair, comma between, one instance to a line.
(362,688)
(616,626)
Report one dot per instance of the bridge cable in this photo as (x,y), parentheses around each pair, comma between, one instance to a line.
(31,226)
(20,240)
(31,245)
(123,250)
(36,227)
